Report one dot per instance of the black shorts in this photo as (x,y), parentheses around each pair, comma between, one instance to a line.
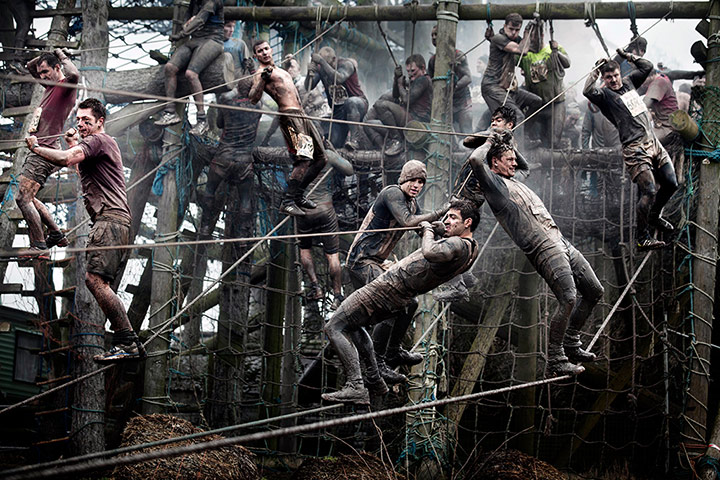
(37,169)
(322,219)
(196,54)
(232,165)
(106,233)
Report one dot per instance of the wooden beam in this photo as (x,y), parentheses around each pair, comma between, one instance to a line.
(557,11)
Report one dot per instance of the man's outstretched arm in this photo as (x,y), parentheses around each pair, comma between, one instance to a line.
(438,251)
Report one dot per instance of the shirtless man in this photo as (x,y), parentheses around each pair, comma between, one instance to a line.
(98,160)
(301,137)
(49,119)
(526,220)
(433,264)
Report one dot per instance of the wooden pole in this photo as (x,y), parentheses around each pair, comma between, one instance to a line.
(527,346)
(438,164)
(704,271)
(558,11)
(88,325)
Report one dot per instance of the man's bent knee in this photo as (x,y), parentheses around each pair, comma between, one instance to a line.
(171,69)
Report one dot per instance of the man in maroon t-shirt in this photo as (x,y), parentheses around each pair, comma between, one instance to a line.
(98,159)
(47,124)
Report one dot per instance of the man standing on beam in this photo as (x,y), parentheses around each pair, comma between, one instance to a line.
(98,160)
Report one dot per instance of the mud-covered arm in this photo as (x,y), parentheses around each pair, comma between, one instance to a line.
(399,209)
(462,72)
(340,164)
(258,87)
(590,91)
(70,70)
(493,189)
(559,53)
(438,251)
(63,158)
(343,72)
(418,89)
(199,19)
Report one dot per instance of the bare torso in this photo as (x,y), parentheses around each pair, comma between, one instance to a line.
(281,88)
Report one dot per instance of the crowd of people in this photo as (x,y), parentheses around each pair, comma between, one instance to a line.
(370,324)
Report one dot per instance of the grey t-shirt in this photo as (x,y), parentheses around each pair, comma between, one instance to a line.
(102,178)
(498,57)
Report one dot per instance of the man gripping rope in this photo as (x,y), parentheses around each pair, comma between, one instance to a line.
(433,264)
(46,124)
(98,160)
(647,162)
(301,137)
(526,220)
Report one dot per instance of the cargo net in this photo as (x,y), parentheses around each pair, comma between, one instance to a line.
(253,348)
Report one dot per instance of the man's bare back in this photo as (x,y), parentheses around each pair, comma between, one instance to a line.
(275,81)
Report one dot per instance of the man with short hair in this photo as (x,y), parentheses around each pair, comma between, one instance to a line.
(301,137)
(395,206)
(98,160)
(344,93)
(461,98)
(526,220)
(46,124)
(204,26)
(499,85)
(411,101)
(236,47)
(647,162)
(433,264)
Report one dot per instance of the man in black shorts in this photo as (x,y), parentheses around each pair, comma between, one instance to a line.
(323,219)
(232,162)
(526,220)
(98,159)
(646,160)
(204,26)
(395,206)
(433,264)
(46,124)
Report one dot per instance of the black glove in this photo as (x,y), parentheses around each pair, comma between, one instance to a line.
(249,65)
(398,71)
(425,226)
(266,74)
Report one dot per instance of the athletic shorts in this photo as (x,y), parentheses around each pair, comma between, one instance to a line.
(231,164)
(196,54)
(644,154)
(322,219)
(363,272)
(107,232)
(37,169)
(298,132)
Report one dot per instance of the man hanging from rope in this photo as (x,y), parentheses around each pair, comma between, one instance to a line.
(344,93)
(98,160)
(301,137)
(46,124)
(526,220)
(204,26)
(647,162)
(499,85)
(461,78)
(395,206)
(433,264)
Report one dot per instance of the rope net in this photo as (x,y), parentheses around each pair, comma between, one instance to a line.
(253,347)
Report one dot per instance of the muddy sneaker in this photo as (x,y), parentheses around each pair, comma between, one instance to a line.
(288,207)
(394,148)
(315,292)
(56,239)
(564,367)
(304,202)
(649,243)
(168,118)
(402,357)
(351,393)
(337,301)
(352,145)
(578,355)
(388,374)
(121,353)
(33,253)
(200,128)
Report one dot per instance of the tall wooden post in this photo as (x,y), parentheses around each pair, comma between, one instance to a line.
(88,324)
(704,272)
(438,163)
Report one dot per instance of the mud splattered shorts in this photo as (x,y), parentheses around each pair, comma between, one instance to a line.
(644,154)
(196,54)
(322,219)
(106,232)
(37,169)
(365,271)
(301,137)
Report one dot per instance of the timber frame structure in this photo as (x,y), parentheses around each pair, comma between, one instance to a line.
(249,368)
